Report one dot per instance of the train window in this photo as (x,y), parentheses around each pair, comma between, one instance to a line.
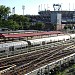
(43,42)
(2,51)
(11,48)
(64,39)
(29,43)
(50,40)
(23,47)
(18,48)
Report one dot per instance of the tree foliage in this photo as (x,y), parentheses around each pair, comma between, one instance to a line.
(4,11)
(39,26)
(10,24)
(21,20)
(15,21)
(68,26)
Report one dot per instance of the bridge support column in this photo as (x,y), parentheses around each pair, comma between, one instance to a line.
(74,59)
(68,61)
(60,65)
(48,70)
(41,72)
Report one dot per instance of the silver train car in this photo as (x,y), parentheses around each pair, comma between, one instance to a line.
(15,47)
(10,48)
(43,41)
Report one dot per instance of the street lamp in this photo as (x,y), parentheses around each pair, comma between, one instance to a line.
(23,7)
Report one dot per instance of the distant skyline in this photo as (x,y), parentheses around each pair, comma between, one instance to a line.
(32,6)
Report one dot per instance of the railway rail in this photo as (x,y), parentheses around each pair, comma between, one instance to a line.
(25,58)
(30,61)
(26,68)
(44,60)
(30,55)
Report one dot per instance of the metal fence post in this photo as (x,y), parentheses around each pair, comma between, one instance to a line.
(74,59)
(41,71)
(48,69)
(60,64)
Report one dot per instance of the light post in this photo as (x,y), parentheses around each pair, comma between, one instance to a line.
(23,7)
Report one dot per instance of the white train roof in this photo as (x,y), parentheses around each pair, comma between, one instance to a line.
(14,44)
(72,35)
(49,39)
(36,41)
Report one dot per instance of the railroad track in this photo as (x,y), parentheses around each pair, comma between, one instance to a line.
(44,59)
(36,63)
(28,62)
(26,57)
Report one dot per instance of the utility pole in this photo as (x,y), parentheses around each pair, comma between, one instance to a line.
(23,7)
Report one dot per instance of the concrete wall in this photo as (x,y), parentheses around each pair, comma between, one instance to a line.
(60,27)
(53,18)
(58,19)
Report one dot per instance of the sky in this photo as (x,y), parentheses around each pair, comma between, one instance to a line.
(32,6)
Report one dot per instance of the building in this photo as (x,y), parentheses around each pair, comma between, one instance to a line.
(48,17)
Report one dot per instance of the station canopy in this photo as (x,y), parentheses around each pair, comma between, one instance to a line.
(19,35)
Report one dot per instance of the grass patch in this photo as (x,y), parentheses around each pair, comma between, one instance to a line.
(68,71)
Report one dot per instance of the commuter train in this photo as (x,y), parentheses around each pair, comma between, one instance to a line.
(11,47)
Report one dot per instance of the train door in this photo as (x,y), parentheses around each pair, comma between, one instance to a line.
(43,43)
(11,50)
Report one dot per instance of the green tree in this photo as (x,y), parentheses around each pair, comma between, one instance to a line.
(26,25)
(70,26)
(4,11)
(39,26)
(24,22)
(53,26)
(65,27)
(1,23)
(10,24)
